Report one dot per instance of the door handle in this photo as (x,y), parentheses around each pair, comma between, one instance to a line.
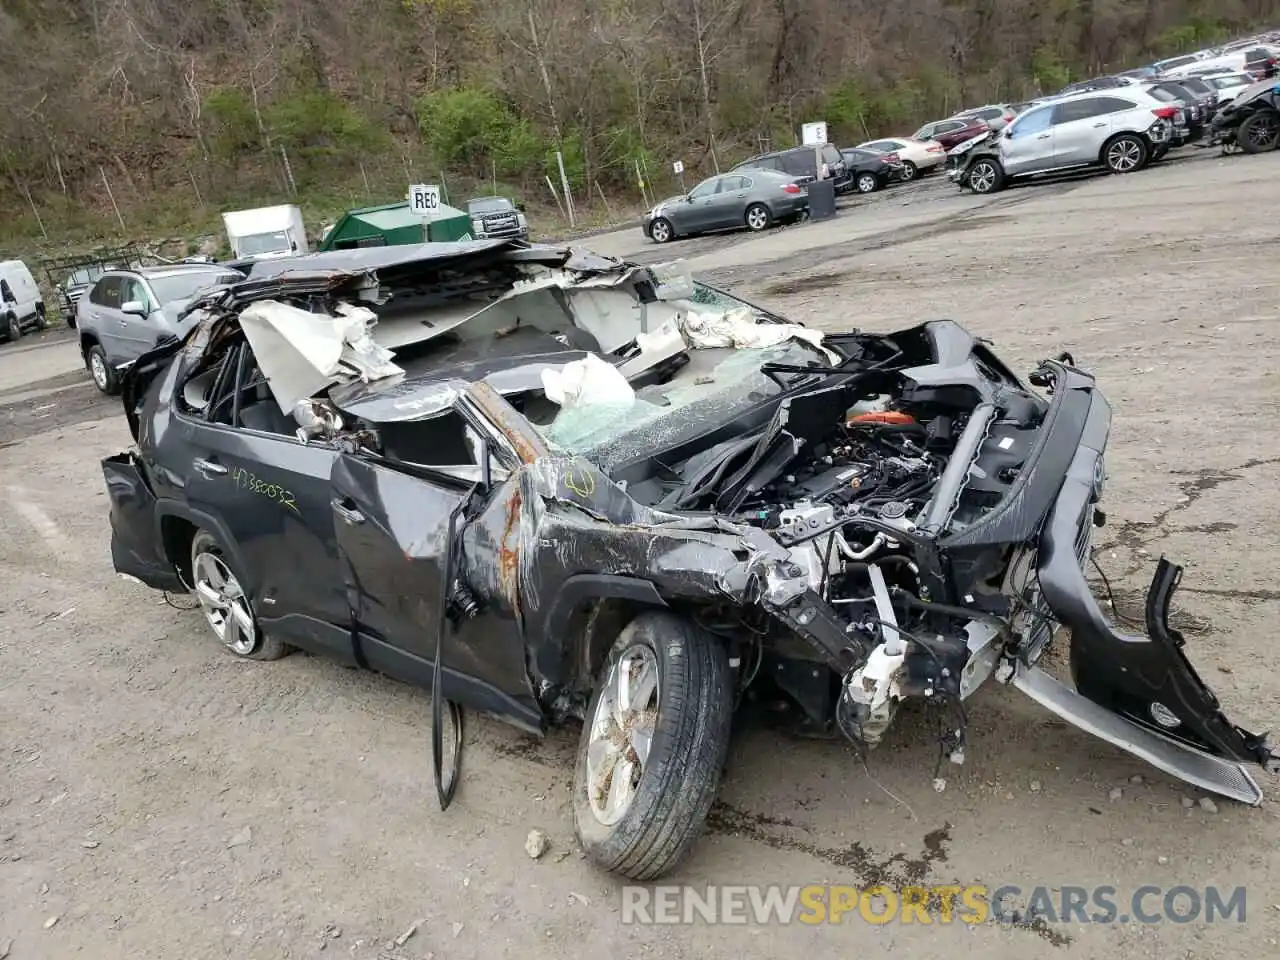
(208,467)
(349,514)
(1099,124)
(1043,136)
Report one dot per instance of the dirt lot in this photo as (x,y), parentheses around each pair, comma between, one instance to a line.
(160,799)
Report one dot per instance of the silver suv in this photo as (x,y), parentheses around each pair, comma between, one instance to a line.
(1117,129)
(130,311)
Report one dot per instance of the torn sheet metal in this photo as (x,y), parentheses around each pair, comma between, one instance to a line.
(301,353)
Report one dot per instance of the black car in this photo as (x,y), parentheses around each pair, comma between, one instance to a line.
(1190,122)
(805,164)
(619,496)
(869,171)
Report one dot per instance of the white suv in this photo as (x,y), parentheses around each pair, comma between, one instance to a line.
(1118,129)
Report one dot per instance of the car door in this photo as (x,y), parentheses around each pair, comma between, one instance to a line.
(267,492)
(729,205)
(101,306)
(1028,142)
(699,212)
(1080,127)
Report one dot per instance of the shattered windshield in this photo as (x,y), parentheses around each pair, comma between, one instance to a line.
(716,385)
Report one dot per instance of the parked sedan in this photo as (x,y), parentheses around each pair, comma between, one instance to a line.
(918,156)
(1228,85)
(871,171)
(755,199)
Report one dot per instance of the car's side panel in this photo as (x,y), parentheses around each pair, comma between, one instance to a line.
(392,529)
(136,550)
(272,497)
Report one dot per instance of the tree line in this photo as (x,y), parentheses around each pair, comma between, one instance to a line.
(222,101)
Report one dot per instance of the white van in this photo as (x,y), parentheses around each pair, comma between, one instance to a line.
(21,304)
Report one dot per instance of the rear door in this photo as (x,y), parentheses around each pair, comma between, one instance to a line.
(246,467)
(101,305)
(1028,143)
(729,205)
(1080,127)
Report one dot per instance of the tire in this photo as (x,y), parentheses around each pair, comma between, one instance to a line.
(758,217)
(42,320)
(12,329)
(104,376)
(1126,153)
(909,171)
(867,183)
(661,231)
(985,176)
(1259,133)
(222,598)
(646,834)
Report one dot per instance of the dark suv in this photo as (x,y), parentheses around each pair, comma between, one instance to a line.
(803,164)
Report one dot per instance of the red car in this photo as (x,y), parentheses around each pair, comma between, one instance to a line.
(950,132)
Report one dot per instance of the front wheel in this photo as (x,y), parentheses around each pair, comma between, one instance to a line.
(758,217)
(653,744)
(1260,133)
(12,329)
(660,230)
(1125,154)
(909,171)
(985,176)
(225,603)
(867,183)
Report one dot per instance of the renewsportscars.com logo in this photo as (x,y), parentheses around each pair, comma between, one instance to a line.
(942,904)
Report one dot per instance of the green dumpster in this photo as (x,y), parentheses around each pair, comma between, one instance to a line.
(394,223)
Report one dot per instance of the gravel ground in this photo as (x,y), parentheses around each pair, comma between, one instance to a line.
(160,799)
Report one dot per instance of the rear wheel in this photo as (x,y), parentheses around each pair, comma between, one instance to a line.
(758,217)
(1260,133)
(104,377)
(42,321)
(653,744)
(909,171)
(985,176)
(1125,153)
(226,605)
(867,182)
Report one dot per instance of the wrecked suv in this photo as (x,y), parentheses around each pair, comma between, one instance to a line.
(555,487)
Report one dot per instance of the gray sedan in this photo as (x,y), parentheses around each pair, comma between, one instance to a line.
(754,199)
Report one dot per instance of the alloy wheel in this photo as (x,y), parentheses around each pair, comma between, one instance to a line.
(1264,132)
(98,367)
(660,232)
(622,729)
(225,605)
(757,218)
(1124,155)
(983,177)
(866,183)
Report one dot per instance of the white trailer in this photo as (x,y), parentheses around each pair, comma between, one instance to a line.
(266,233)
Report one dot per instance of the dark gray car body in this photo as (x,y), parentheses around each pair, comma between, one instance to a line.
(722,202)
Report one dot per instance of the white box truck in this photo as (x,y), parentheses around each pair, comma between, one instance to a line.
(266,233)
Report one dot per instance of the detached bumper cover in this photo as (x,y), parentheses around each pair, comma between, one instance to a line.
(1147,680)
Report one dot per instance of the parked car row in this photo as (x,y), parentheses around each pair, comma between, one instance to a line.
(1120,122)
